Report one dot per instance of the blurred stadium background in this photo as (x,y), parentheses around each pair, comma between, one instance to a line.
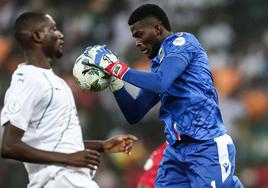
(235,35)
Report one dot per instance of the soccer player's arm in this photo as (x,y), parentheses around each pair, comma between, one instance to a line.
(173,64)
(120,143)
(14,148)
(170,69)
(152,84)
(134,109)
(15,116)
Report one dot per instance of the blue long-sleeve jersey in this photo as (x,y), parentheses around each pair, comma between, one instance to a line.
(181,79)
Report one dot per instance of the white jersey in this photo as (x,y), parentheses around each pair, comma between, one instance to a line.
(42,104)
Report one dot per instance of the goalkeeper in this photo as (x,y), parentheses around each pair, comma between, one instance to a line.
(199,153)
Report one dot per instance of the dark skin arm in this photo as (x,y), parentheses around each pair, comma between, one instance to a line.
(120,143)
(14,148)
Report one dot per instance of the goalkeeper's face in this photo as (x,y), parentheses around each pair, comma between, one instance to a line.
(148,36)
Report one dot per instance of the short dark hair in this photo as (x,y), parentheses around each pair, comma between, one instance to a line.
(147,10)
(25,23)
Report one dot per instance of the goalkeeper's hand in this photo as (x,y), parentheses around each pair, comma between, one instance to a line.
(105,60)
(115,84)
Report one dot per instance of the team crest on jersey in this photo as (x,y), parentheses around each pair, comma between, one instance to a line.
(179,41)
(13,107)
(179,34)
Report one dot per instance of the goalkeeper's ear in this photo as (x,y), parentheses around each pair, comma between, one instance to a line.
(116,84)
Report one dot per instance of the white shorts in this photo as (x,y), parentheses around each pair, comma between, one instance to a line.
(67,178)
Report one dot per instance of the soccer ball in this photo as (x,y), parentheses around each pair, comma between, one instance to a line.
(87,75)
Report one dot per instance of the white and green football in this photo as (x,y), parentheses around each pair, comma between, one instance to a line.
(87,75)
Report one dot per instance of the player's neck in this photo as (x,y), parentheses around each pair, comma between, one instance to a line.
(164,35)
(37,59)
(167,34)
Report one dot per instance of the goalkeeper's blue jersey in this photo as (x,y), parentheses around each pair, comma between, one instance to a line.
(189,105)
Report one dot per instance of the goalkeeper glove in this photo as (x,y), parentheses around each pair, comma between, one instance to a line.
(106,60)
(115,84)
(117,69)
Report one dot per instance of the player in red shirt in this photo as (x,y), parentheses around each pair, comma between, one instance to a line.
(151,167)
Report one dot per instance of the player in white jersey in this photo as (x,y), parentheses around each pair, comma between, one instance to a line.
(40,117)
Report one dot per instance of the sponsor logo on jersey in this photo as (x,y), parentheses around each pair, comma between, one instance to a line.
(179,41)
(226,166)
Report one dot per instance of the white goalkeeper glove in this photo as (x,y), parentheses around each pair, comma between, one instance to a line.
(106,60)
(115,84)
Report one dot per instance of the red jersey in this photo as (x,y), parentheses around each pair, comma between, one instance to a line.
(151,166)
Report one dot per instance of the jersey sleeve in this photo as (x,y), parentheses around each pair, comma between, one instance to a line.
(134,109)
(22,95)
(158,82)
(181,47)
